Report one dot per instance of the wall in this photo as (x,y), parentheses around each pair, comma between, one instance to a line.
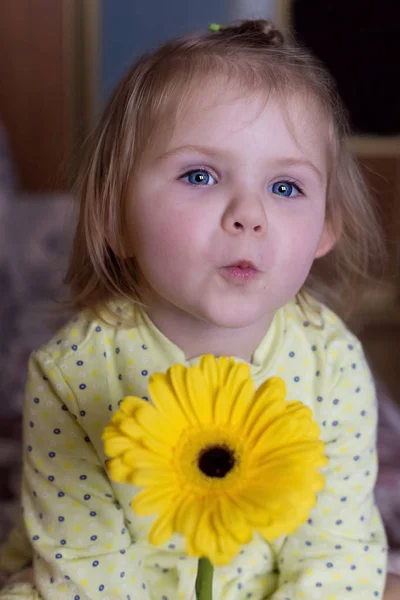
(131,27)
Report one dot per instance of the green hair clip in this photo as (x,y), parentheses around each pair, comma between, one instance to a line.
(215,27)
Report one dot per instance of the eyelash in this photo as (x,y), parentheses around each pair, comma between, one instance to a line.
(292,182)
(196,169)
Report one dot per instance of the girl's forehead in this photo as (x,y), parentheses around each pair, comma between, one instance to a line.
(217,113)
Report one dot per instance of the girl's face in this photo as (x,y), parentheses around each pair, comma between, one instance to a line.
(226,217)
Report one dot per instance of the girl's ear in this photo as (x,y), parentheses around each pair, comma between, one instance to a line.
(330,235)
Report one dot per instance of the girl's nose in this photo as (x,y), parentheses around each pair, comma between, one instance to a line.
(245,215)
(241,226)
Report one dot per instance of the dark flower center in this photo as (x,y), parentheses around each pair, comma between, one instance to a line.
(216,461)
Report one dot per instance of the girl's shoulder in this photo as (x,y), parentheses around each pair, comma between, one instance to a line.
(89,333)
(322,354)
(316,324)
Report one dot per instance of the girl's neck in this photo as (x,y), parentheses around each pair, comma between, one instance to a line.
(196,337)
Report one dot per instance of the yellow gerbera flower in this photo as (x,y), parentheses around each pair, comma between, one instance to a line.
(217,459)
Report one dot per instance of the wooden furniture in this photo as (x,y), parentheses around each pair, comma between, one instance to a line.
(48,81)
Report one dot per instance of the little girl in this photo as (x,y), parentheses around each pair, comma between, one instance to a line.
(219,203)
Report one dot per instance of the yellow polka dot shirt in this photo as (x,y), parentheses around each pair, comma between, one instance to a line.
(86,541)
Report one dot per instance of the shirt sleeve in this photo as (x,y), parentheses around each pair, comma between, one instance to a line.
(82,548)
(341,552)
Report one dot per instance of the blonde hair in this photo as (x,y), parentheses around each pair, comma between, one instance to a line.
(254,54)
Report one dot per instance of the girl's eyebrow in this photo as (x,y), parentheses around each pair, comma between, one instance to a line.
(207,150)
(284,162)
(299,162)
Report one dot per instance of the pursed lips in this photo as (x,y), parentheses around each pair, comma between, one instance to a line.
(243,264)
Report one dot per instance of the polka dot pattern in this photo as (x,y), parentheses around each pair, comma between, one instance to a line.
(89,544)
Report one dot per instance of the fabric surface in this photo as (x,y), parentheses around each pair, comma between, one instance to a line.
(87,541)
(35,237)
(388,484)
(33,246)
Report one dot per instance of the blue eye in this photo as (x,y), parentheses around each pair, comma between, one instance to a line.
(287,189)
(198,177)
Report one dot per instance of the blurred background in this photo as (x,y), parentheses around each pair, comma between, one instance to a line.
(60,60)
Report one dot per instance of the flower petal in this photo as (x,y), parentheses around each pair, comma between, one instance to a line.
(253,505)
(235,397)
(273,387)
(272,451)
(234,521)
(243,400)
(211,370)
(153,500)
(222,407)
(227,546)
(268,403)
(167,402)
(162,528)
(279,528)
(118,444)
(118,471)
(139,458)
(219,372)
(232,372)
(154,429)
(205,535)
(131,429)
(184,521)
(110,431)
(198,395)
(189,518)
(177,380)
(130,404)
(144,477)
(203,541)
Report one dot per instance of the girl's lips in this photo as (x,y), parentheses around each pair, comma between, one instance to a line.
(244,264)
(241,271)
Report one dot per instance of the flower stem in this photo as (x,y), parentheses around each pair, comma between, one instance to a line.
(204,580)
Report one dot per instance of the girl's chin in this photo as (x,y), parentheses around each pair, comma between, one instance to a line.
(235,318)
